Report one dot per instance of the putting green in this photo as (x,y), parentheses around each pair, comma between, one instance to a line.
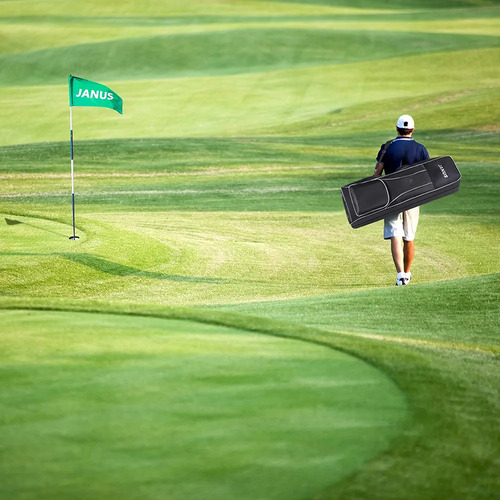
(114,406)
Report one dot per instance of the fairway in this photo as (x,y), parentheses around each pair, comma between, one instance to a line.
(218,330)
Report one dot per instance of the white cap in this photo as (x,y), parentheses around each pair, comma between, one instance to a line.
(405,121)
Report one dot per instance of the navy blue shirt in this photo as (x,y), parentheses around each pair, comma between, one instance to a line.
(402,151)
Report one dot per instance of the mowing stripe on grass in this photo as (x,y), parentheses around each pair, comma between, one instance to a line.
(201,172)
(448,346)
(271,190)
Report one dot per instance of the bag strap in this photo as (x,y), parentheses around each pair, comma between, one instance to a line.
(386,145)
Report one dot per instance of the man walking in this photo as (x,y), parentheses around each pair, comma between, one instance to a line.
(401,228)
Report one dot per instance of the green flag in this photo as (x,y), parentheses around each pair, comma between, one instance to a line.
(87,93)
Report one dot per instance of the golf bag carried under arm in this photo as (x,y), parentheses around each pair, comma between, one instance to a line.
(373,198)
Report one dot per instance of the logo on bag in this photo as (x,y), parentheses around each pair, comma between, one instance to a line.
(443,171)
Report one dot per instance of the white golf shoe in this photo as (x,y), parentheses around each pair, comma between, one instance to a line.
(403,279)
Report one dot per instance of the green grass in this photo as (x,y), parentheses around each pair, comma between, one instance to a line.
(218,330)
(183,404)
(233,51)
(471,316)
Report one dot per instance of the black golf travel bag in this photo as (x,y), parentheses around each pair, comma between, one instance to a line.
(373,198)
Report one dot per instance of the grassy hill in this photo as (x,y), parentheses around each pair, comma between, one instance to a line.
(218,330)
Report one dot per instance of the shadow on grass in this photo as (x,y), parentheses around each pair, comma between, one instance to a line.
(15,222)
(115,269)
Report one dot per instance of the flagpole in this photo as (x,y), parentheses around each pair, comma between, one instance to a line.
(74,237)
(88,93)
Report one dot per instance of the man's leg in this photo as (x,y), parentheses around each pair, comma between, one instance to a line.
(409,252)
(410,223)
(393,230)
(397,253)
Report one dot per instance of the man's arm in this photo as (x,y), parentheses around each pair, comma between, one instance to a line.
(378,169)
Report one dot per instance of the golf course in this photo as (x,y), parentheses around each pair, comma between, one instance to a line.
(217,330)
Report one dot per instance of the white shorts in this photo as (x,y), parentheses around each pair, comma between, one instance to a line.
(403,225)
